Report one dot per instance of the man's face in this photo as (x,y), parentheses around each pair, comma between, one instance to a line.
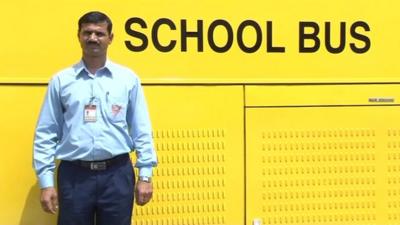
(94,39)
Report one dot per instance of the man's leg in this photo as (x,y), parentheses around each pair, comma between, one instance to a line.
(115,195)
(76,195)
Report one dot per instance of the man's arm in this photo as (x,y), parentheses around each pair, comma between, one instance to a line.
(47,134)
(141,133)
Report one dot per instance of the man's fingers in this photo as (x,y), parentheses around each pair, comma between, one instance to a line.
(145,198)
(141,199)
(45,207)
(54,202)
(49,200)
(144,192)
(146,195)
(49,207)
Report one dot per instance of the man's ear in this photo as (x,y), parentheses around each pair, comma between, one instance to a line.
(111,37)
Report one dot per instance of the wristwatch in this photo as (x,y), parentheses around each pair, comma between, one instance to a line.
(145,179)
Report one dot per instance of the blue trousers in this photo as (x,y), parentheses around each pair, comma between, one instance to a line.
(103,197)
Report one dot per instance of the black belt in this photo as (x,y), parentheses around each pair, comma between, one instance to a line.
(102,164)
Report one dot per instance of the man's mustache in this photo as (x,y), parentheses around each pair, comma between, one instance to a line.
(92,43)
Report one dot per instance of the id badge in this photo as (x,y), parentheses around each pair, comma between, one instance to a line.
(90,113)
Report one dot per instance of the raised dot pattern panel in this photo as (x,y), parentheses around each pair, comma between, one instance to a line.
(326,173)
(191,180)
(393,175)
(328,165)
(199,144)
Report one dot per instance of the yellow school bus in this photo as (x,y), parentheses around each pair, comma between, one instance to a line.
(264,112)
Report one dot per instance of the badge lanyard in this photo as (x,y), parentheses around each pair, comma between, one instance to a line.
(90,111)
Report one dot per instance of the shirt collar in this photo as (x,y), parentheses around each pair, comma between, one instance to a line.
(80,68)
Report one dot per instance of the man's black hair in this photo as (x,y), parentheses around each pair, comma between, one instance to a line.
(95,17)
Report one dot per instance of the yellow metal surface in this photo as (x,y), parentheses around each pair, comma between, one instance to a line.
(198,133)
(314,95)
(19,191)
(39,42)
(332,164)
(323,165)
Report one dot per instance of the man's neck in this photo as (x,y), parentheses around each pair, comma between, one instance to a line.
(94,63)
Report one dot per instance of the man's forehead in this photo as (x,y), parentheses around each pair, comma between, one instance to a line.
(90,26)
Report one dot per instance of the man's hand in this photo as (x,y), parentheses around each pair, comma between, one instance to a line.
(143,192)
(49,200)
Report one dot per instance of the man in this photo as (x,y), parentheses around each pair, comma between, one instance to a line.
(93,115)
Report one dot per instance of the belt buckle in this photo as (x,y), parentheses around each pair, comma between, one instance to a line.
(98,165)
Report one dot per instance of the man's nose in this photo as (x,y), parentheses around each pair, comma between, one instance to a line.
(93,37)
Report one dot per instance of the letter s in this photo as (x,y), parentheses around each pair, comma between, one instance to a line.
(136,34)
(360,37)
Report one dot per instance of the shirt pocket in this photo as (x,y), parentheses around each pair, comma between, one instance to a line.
(116,109)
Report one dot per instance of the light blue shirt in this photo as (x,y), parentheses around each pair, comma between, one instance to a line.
(122,120)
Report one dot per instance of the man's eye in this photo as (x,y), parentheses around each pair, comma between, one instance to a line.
(87,33)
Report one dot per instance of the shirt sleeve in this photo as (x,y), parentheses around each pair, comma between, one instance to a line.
(47,134)
(140,131)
